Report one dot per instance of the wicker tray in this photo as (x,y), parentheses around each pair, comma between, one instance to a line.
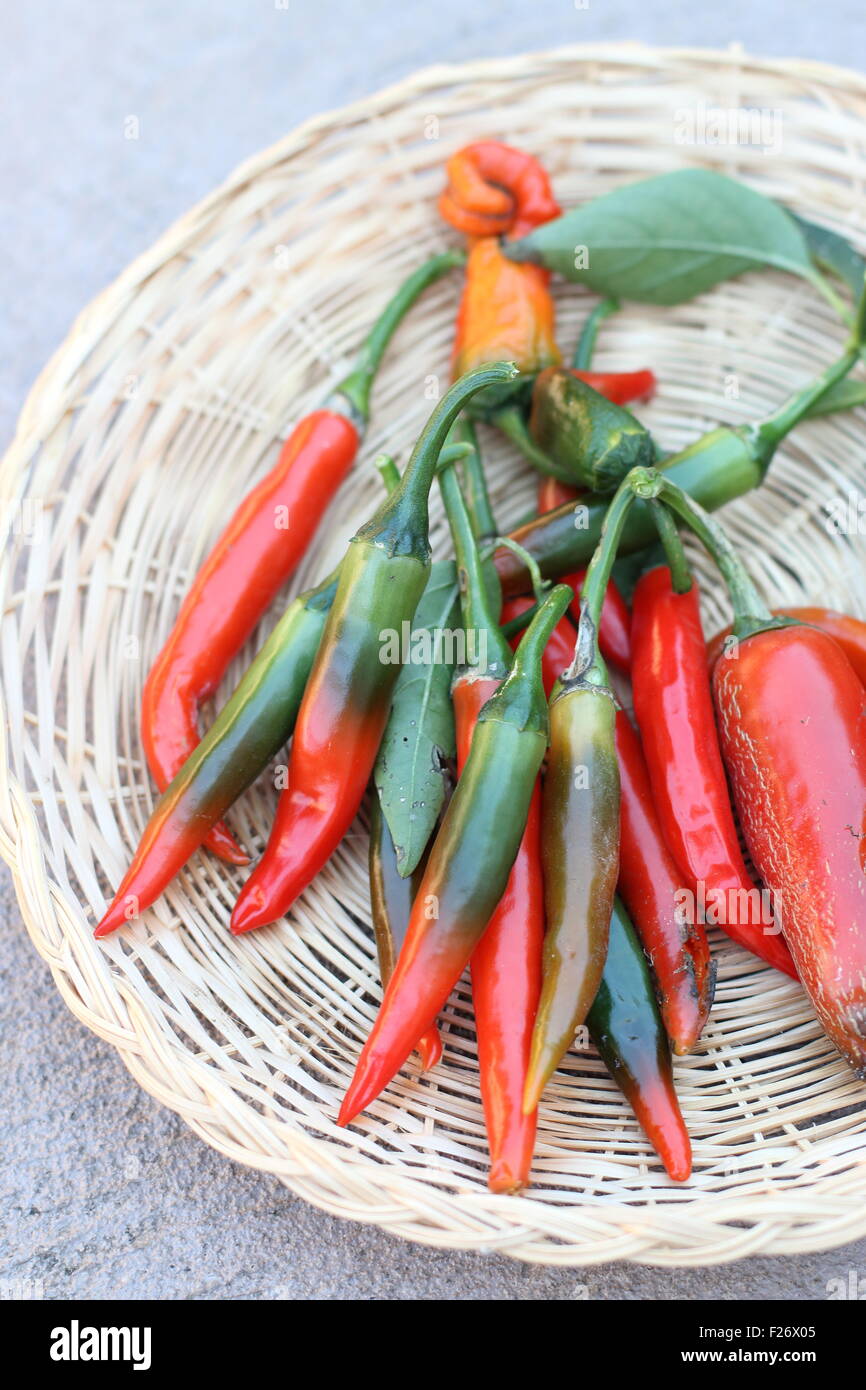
(167,400)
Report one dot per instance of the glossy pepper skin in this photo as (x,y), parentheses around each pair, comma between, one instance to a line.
(848,632)
(469,864)
(248,732)
(651,885)
(721,465)
(346,702)
(674,711)
(257,552)
(625,1025)
(391,898)
(792,724)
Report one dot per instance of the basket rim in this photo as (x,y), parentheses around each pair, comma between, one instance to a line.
(306,1162)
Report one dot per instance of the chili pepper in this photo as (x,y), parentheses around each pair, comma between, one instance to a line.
(391,899)
(652,886)
(346,702)
(848,632)
(553,493)
(792,725)
(580,827)
(625,1026)
(491,189)
(256,553)
(249,730)
(469,864)
(577,434)
(506,963)
(718,467)
(674,711)
(619,387)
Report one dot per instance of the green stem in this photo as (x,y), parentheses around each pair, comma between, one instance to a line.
(681,575)
(751,613)
(769,433)
(511,422)
(476,495)
(401,524)
(474,603)
(824,288)
(521,698)
(583,353)
(587,667)
(539,584)
(389,471)
(356,387)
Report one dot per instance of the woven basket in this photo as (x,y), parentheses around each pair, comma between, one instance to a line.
(169,398)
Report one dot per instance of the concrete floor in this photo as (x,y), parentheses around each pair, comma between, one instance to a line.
(105,1194)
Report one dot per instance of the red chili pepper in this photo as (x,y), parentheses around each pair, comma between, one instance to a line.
(792,723)
(257,552)
(506,979)
(650,885)
(619,387)
(553,493)
(493,189)
(848,632)
(673,706)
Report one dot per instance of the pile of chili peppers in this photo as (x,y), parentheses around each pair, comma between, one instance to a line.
(582,852)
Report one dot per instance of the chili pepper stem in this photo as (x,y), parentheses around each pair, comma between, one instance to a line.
(751,613)
(511,423)
(681,575)
(355,388)
(588,667)
(539,585)
(583,353)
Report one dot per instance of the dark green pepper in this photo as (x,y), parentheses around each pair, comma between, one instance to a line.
(626,1027)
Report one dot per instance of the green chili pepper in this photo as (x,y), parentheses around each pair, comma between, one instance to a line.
(469,863)
(591,441)
(249,730)
(721,465)
(626,1027)
(580,826)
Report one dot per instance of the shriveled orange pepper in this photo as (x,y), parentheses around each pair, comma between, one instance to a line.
(506,311)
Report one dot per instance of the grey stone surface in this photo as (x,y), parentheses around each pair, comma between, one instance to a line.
(105,1194)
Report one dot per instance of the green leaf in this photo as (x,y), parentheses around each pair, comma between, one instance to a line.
(419,738)
(666,239)
(831,251)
